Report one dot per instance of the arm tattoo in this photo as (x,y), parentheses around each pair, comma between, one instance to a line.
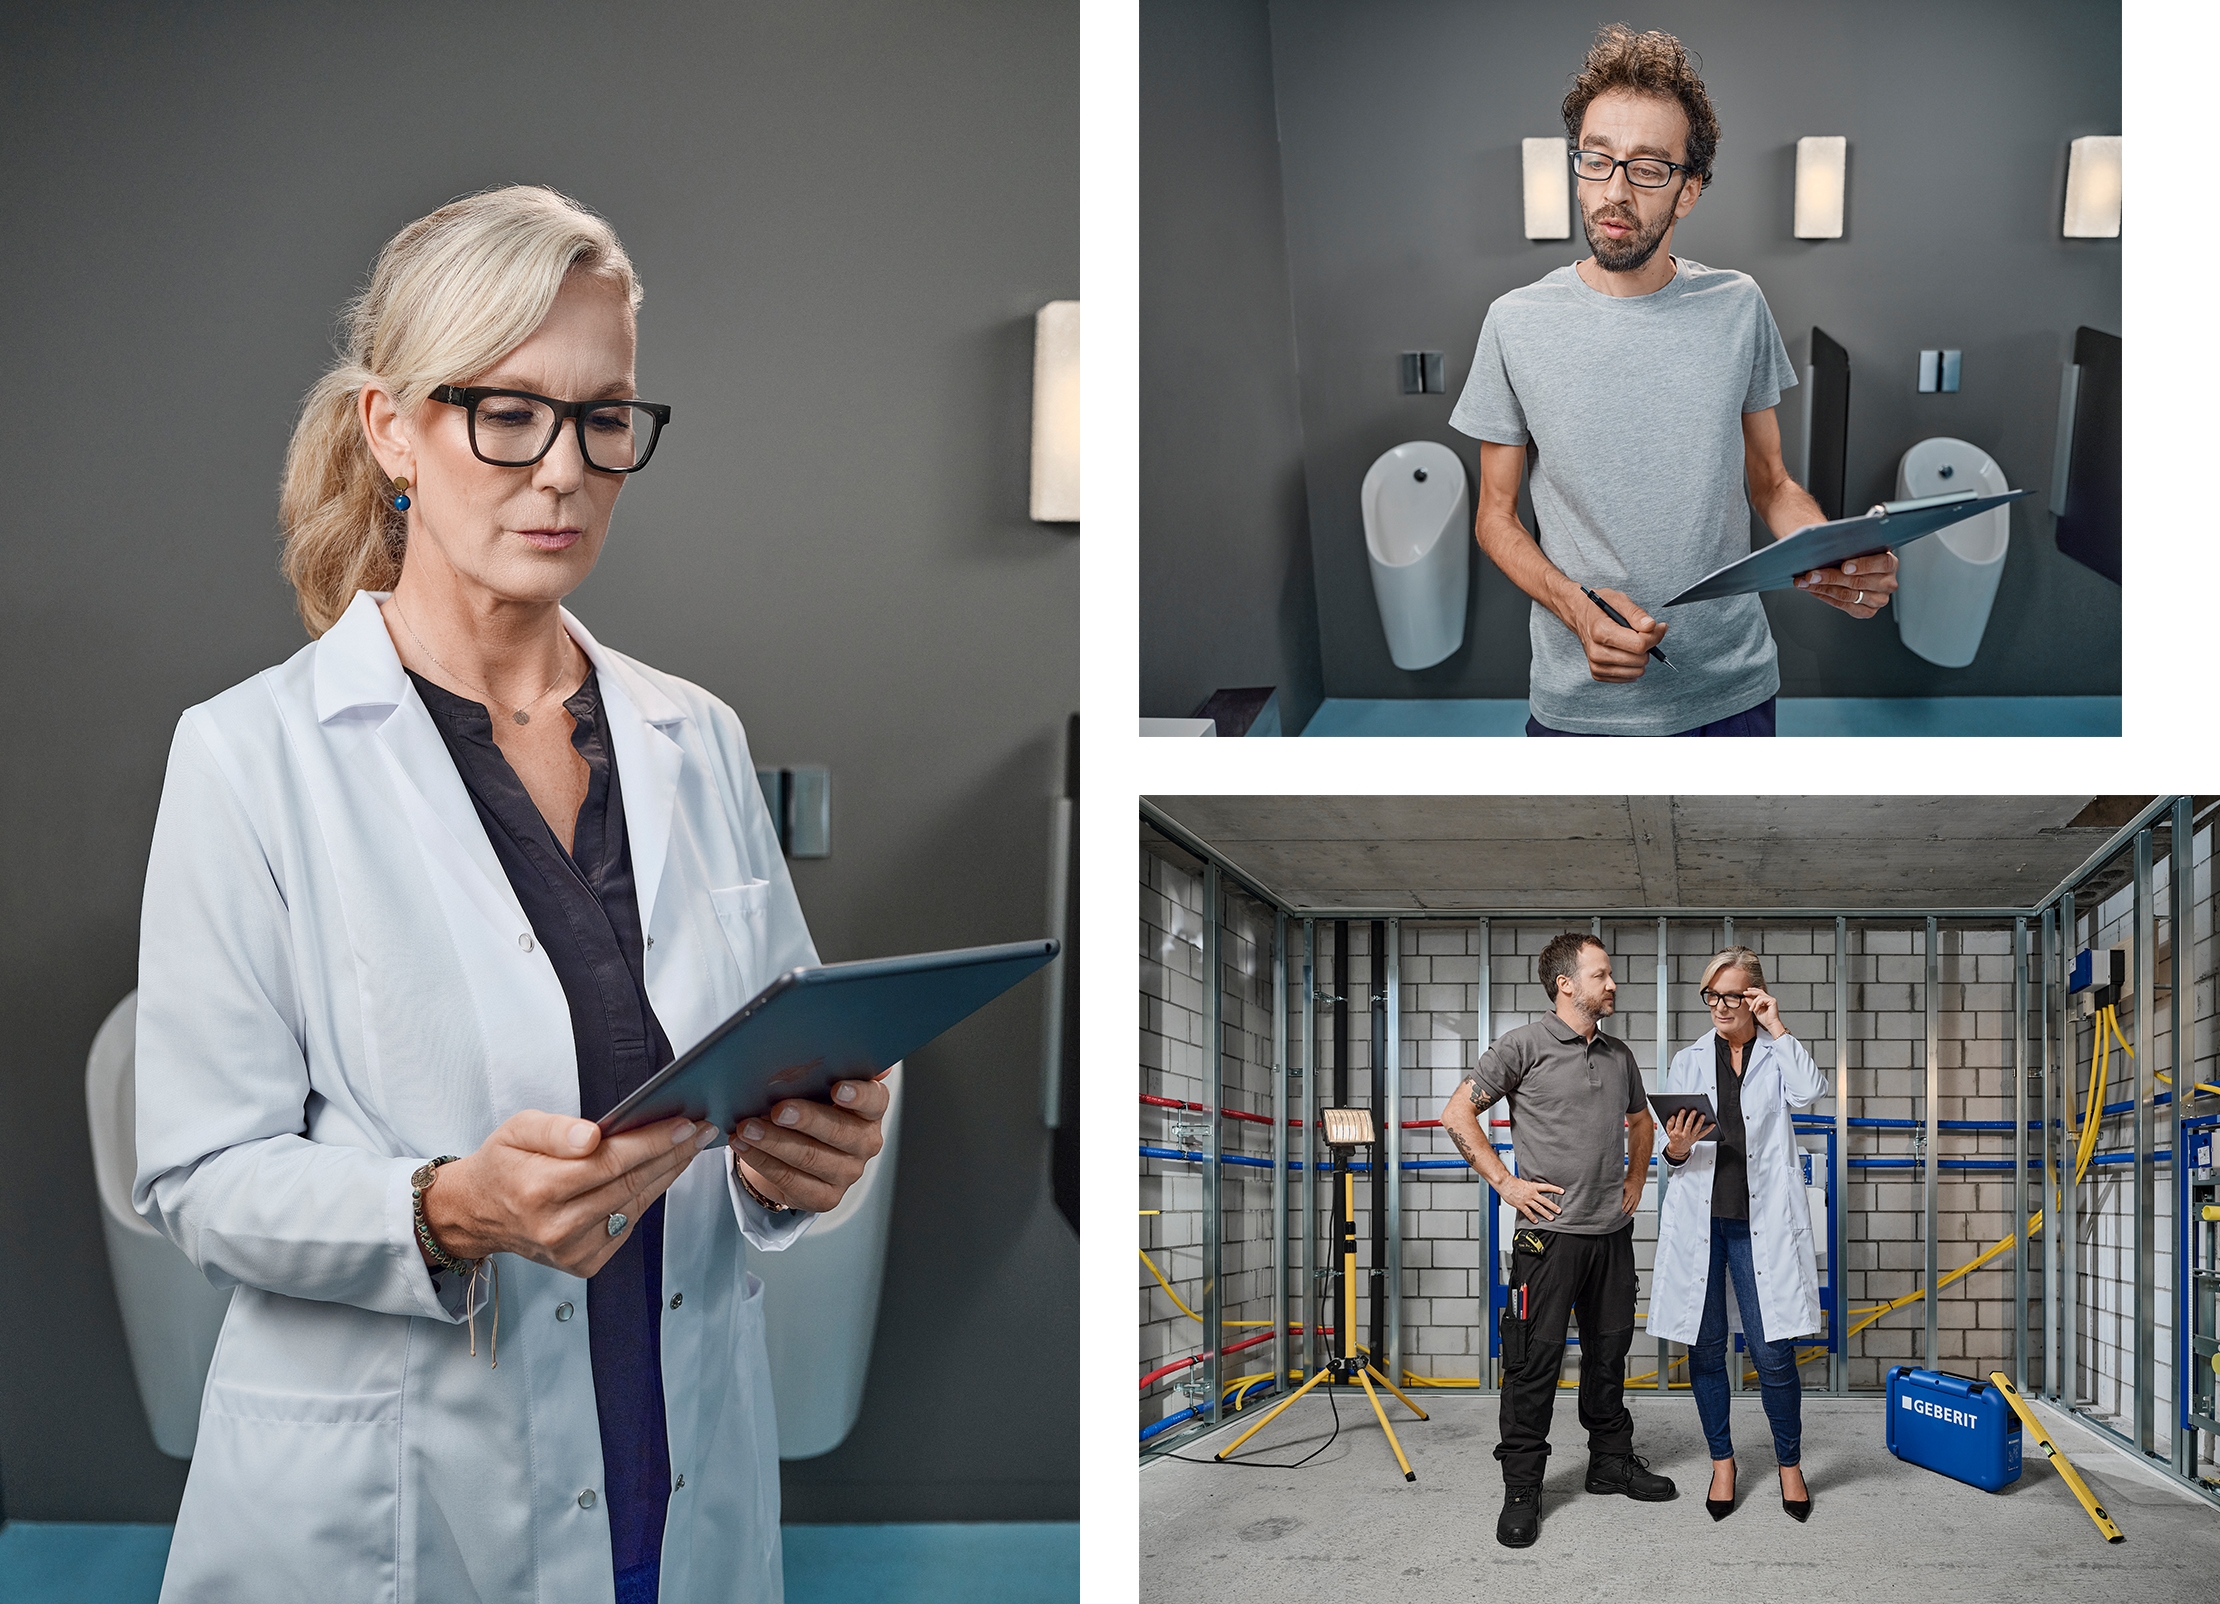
(1472,1090)
(1464,1147)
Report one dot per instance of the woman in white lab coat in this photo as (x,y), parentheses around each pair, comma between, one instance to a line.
(1734,1225)
(437,885)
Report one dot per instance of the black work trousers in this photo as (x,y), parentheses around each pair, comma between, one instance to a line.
(1593,1277)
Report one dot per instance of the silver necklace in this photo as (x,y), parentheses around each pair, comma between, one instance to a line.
(518,714)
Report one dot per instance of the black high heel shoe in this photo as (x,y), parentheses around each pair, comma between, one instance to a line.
(1721,1508)
(1799,1509)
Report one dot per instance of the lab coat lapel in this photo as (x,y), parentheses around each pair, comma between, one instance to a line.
(649,763)
(358,669)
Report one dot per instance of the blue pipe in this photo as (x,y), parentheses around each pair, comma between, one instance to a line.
(1167,1423)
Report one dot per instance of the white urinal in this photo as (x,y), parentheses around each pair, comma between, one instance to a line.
(1418,533)
(821,1305)
(1946,583)
(820,1297)
(171,1315)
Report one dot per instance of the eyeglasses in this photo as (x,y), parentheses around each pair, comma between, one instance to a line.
(515,428)
(1730,1000)
(1643,172)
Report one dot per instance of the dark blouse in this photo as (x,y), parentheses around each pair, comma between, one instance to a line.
(585,913)
(1730,1175)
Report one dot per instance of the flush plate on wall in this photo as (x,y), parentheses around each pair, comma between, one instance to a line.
(1422,373)
(1938,371)
(800,801)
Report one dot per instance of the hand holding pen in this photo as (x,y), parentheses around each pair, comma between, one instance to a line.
(1618,636)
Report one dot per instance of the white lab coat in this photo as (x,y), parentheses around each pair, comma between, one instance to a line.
(1777,1075)
(336,983)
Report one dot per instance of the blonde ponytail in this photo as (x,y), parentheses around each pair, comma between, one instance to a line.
(449,296)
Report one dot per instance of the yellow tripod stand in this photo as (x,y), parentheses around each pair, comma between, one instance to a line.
(1344,1366)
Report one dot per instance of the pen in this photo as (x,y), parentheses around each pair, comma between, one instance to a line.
(1612,613)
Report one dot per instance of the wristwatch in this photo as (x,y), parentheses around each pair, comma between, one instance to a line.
(419,1184)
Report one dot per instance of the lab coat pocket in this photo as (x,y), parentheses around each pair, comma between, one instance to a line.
(744,912)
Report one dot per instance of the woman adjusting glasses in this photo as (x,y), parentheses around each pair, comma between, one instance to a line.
(425,901)
(1734,1249)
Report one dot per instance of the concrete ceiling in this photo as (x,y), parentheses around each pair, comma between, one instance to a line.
(1582,853)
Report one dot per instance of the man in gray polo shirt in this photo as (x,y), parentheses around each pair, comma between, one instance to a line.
(1577,1112)
(1640,389)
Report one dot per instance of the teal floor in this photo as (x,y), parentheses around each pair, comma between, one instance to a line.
(52,1562)
(1798,715)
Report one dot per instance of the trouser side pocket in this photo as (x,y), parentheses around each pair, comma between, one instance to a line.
(1514,1341)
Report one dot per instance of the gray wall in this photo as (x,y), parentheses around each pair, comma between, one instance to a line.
(1226,592)
(845,217)
(1399,133)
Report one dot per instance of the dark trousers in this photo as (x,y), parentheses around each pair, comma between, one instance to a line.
(1593,1277)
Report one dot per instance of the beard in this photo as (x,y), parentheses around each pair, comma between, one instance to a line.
(1627,255)
(1597,1004)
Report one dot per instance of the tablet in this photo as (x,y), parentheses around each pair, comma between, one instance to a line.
(1671,1103)
(832,1022)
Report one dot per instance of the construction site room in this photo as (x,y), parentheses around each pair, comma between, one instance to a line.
(2010,1175)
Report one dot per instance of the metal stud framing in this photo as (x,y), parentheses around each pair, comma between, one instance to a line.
(2041,961)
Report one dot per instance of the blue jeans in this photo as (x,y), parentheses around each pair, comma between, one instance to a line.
(1776,1361)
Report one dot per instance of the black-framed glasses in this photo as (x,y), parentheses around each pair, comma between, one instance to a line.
(1643,172)
(515,428)
(1732,999)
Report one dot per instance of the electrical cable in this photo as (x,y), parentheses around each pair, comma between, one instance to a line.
(1268,1464)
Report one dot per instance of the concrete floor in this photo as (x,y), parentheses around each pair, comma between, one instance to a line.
(1348,1528)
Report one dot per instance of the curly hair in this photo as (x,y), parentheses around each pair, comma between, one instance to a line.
(1647,64)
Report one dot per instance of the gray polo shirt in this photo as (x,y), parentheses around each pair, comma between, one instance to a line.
(1569,1102)
(1633,405)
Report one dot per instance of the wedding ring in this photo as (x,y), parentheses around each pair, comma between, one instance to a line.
(1860,602)
(616,1223)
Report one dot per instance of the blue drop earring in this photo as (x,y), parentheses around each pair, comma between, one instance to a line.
(401,495)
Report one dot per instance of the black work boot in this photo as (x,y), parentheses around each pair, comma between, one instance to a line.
(1629,1474)
(1521,1520)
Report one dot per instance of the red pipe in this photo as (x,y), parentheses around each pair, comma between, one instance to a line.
(1261,1119)
(1231,1348)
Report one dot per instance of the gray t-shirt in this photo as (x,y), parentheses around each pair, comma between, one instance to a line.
(1634,405)
(1569,1103)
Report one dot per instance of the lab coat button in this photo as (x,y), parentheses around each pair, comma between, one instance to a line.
(682,1481)
(525,942)
(563,1311)
(586,1499)
(677,1298)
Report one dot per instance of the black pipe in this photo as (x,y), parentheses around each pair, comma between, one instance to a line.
(1382,1112)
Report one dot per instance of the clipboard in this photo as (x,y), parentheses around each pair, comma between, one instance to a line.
(1892,523)
(829,1022)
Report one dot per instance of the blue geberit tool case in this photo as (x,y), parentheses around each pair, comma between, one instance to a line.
(1960,1427)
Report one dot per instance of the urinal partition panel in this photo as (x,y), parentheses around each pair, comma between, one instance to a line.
(1419,546)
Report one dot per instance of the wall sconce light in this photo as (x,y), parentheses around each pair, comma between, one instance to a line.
(1820,161)
(1056,413)
(2093,187)
(1548,176)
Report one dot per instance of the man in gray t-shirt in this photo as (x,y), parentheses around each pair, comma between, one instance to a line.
(1582,1132)
(1640,389)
